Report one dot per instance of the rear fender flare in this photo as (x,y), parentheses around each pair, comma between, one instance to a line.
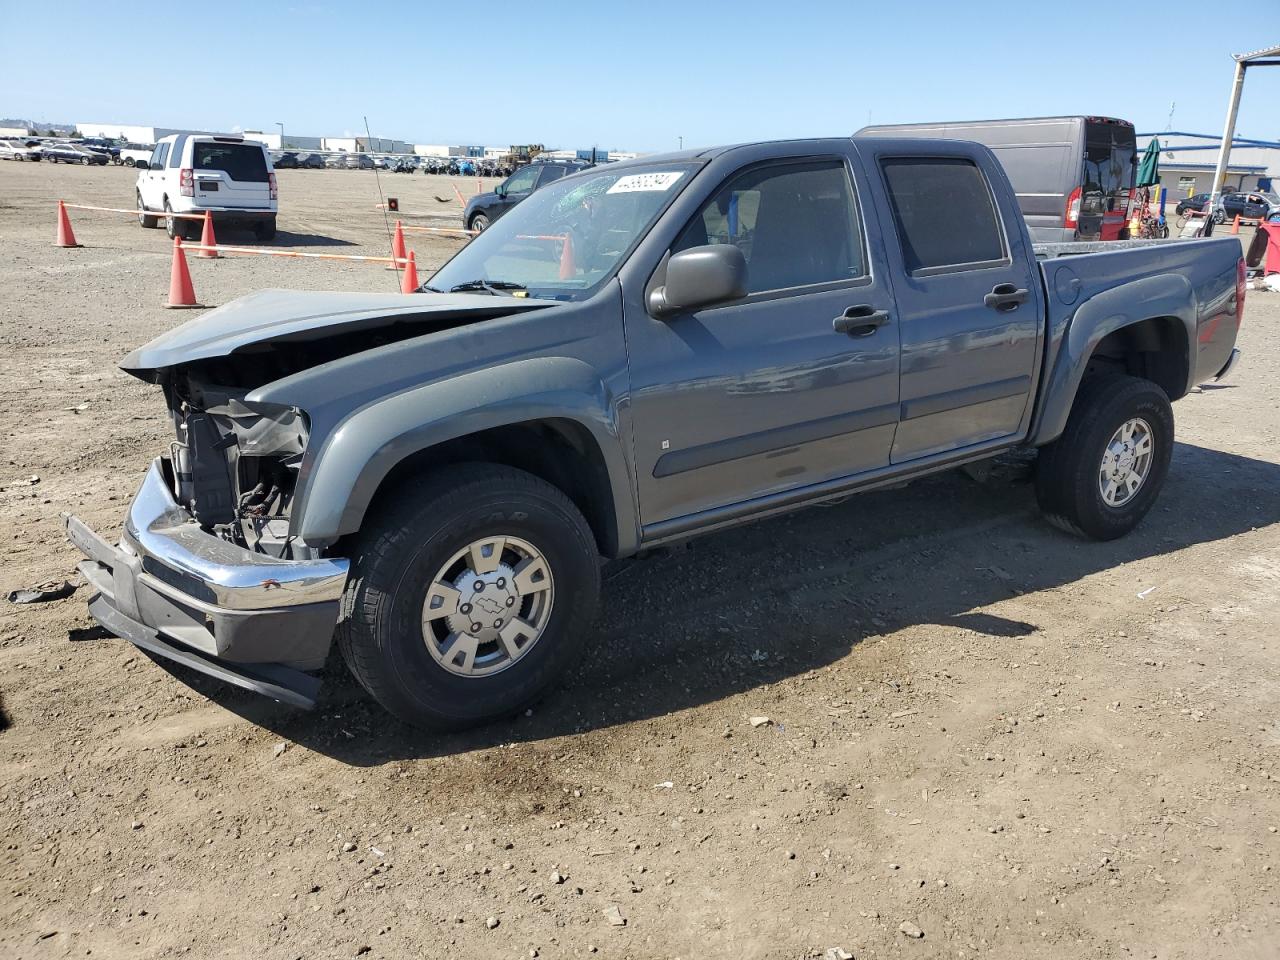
(364,448)
(1164,295)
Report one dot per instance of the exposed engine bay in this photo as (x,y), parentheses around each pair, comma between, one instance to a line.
(235,464)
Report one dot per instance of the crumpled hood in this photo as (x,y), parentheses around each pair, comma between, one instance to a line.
(282,316)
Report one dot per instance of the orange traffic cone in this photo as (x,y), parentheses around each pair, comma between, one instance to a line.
(207,239)
(567,266)
(66,237)
(1235,224)
(409,282)
(181,293)
(397,248)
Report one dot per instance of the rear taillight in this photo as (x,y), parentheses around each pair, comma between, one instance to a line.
(187,182)
(1241,287)
(271,184)
(1072,218)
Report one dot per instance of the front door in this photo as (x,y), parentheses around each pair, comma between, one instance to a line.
(153,180)
(967,290)
(793,385)
(516,187)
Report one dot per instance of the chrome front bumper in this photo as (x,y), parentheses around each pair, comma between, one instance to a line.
(188,595)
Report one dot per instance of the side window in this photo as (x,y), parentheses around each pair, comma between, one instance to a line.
(795,223)
(550,173)
(158,156)
(944,213)
(522,180)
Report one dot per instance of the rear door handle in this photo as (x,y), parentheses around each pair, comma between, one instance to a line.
(860,321)
(1006,297)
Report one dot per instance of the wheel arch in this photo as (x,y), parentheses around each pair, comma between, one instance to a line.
(549,416)
(1145,328)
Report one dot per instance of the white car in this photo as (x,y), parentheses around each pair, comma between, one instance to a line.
(135,154)
(230,177)
(18,150)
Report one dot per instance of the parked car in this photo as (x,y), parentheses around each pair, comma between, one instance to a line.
(635,355)
(18,150)
(229,177)
(286,161)
(359,161)
(311,161)
(484,208)
(336,161)
(1251,206)
(102,145)
(135,153)
(72,153)
(1195,203)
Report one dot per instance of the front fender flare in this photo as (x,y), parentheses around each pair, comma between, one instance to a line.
(1164,295)
(363,449)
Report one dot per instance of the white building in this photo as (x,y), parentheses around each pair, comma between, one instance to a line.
(134,133)
(15,131)
(1188,162)
(290,141)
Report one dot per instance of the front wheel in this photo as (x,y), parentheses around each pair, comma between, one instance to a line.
(479,223)
(471,591)
(85,161)
(1103,474)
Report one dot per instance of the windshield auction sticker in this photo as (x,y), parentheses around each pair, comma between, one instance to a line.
(637,182)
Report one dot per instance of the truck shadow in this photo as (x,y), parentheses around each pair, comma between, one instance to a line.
(738,610)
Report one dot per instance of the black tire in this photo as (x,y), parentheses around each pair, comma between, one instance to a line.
(144,220)
(479,223)
(265,229)
(1067,472)
(172,225)
(406,542)
(1219,216)
(85,161)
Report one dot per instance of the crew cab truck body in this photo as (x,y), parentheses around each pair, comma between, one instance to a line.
(633,355)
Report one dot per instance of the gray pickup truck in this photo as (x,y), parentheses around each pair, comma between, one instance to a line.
(636,354)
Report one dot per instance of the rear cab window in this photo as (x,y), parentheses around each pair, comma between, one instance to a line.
(240,161)
(944,213)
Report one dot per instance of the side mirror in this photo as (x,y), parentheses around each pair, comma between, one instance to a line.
(700,277)
(500,189)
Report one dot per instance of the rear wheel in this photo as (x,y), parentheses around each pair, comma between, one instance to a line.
(470,593)
(265,229)
(1103,474)
(145,219)
(172,225)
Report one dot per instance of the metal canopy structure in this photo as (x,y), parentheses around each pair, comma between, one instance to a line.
(1270,57)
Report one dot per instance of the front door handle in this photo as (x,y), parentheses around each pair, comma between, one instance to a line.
(1006,297)
(860,321)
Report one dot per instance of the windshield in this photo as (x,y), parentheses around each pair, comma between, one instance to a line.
(567,238)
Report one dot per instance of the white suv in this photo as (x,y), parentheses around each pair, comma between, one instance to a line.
(228,176)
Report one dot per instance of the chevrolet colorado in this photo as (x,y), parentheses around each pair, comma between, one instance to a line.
(634,355)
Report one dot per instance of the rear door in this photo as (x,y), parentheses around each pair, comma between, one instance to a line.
(230,174)
(968,296)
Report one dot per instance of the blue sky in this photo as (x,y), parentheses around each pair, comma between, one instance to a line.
(620,76)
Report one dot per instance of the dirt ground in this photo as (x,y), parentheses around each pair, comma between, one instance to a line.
(1018,744)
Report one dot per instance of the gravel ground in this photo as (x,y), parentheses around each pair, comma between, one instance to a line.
(984,738)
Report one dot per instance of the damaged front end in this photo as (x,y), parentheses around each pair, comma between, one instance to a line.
(209,570)
(236,463)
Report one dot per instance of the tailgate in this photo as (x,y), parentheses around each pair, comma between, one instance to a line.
(231,175)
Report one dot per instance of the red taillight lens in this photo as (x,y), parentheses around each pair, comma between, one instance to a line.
(1072,218)
(271,183)
(186,183)
(1241,287)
